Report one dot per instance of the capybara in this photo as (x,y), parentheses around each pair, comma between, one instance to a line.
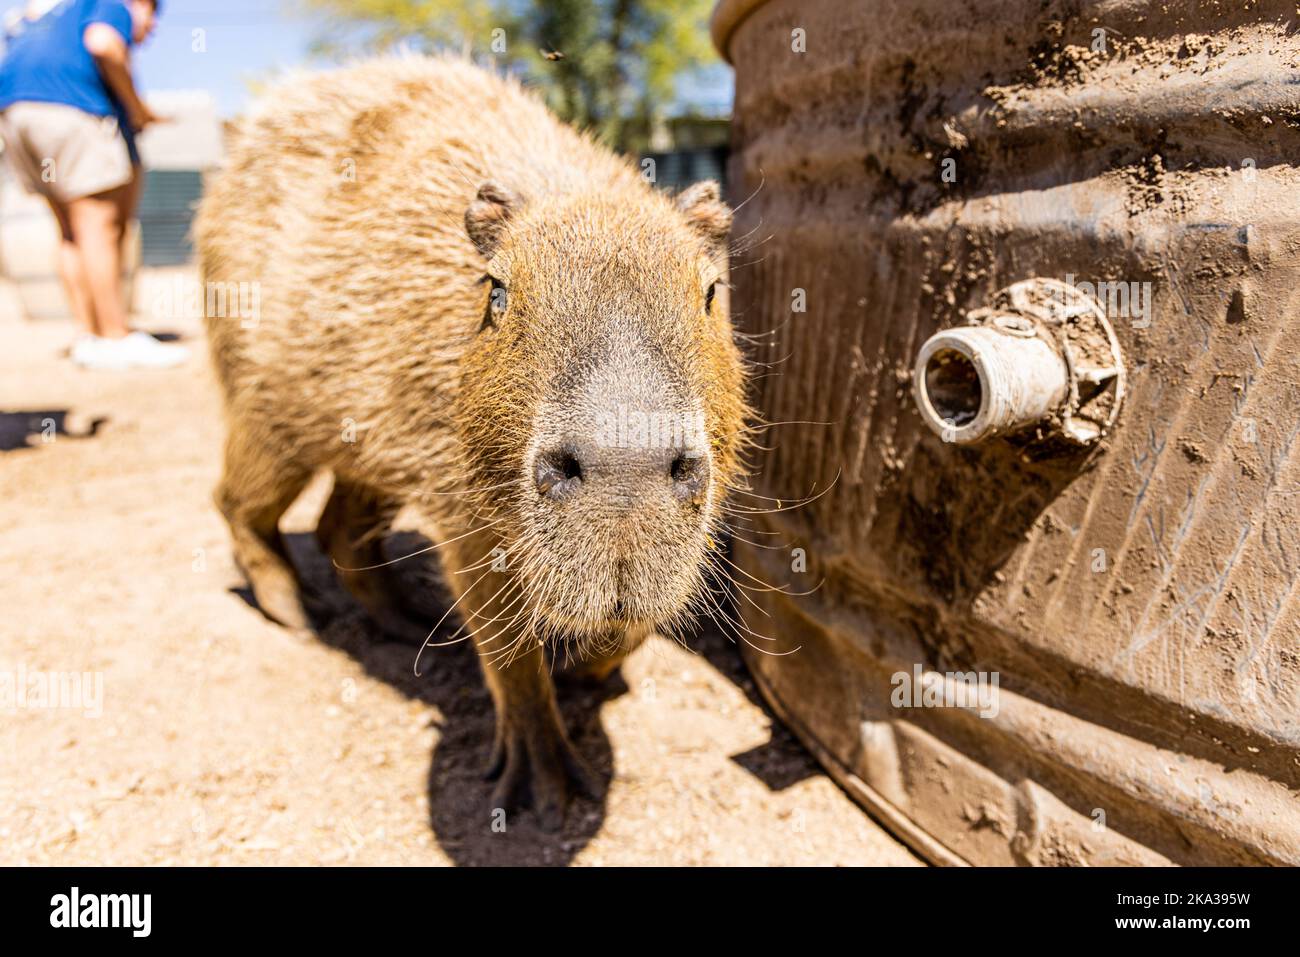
(469,308)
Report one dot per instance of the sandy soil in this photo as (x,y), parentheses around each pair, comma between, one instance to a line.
(224,740)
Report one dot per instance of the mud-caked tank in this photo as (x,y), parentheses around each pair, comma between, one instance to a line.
(1024,278)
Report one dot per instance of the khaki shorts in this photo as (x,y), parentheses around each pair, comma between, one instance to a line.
(64,153)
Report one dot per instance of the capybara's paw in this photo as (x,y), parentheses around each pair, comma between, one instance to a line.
(542,771)
(282,603)
(270,578)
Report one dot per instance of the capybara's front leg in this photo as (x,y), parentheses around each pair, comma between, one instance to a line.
(532,759)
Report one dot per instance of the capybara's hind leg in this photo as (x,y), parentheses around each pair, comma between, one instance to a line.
(255,491)
(351,531)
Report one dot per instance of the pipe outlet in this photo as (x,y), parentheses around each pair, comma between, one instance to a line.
(1043,353)
(973,382)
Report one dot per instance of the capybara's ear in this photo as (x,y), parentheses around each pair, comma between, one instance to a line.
(710,217)
(487,216)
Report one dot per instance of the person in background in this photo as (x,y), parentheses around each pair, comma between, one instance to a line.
(69,112)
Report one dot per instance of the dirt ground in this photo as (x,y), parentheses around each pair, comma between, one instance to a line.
(221,739)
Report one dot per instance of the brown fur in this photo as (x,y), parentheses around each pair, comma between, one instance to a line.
(369,204)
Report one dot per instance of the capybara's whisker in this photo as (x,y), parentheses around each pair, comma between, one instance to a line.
(738,629)
(519,596)
(507,653)
(743,632)
(765,585)
(758,427)
(748,526)
(752,262)
(746,510)
(770,498)
(732,533)
(421,551)
(762,181)
(463,633)
(740,243)
(742,591)
(434,629)
(497,555)
(468,491)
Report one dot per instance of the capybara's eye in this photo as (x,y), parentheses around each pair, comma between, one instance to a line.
(497,301)
(708,297)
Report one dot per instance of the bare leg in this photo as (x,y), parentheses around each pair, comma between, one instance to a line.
(131,200)
(98,225)
(72,272)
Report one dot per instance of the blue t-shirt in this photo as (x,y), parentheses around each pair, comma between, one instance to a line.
(46,60)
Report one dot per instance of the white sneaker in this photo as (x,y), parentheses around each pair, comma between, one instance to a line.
(82,347)
(136,350)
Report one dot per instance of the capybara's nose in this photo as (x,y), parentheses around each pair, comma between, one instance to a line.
(624,475)
(690,474)
(558,472)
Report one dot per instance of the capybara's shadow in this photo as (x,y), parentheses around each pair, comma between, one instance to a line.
(451,680)
(19,429)
(460,813)
(781,761)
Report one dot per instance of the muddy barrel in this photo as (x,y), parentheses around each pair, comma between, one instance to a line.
(1036,266)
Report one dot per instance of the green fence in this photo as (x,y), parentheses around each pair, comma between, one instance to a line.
(166,214)
(679,168)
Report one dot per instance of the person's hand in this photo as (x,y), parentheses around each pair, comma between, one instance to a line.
(142,117)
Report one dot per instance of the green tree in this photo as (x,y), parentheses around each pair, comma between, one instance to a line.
(614,67)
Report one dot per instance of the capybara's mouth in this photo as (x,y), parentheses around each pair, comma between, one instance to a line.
(566,626)
(622,616)
(598,620)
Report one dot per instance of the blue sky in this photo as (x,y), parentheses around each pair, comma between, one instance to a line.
(246,39)
(252,39)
